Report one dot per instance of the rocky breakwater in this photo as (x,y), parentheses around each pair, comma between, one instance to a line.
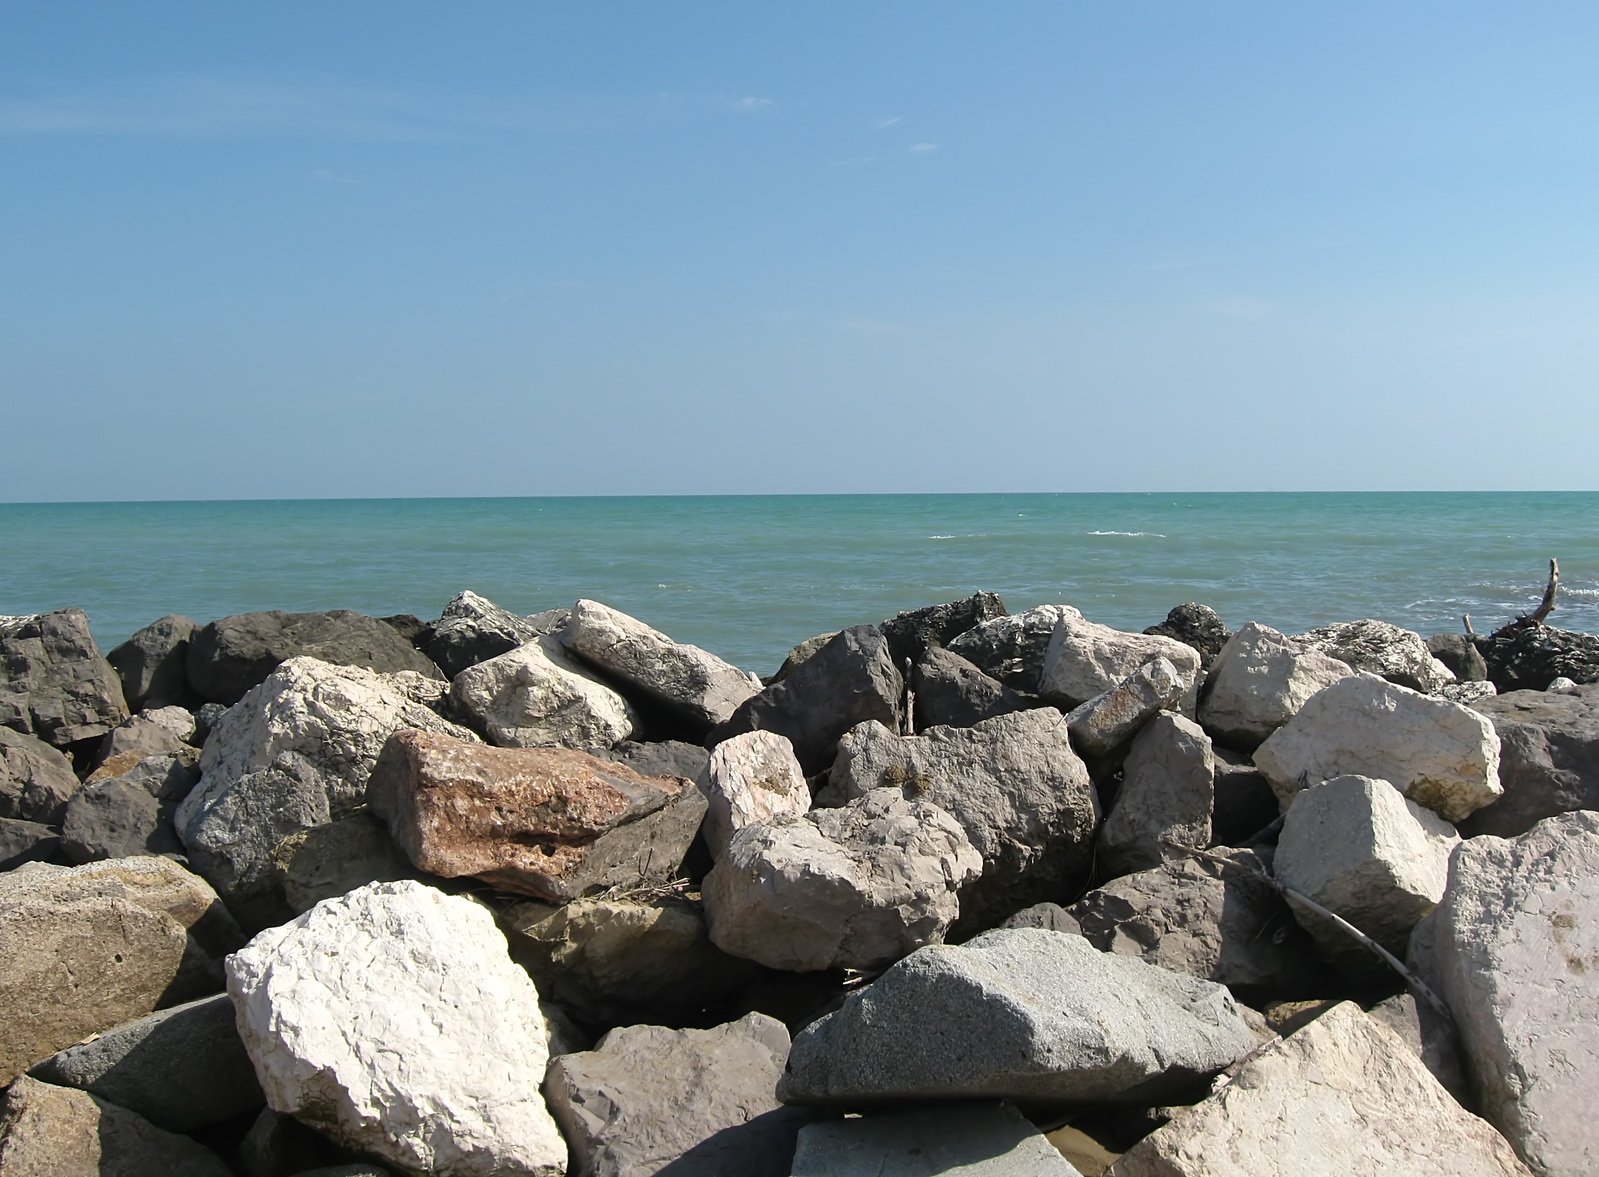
(295,894)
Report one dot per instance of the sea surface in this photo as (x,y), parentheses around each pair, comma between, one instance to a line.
(748,577)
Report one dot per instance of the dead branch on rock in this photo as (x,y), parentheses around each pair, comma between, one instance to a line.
(1528,620)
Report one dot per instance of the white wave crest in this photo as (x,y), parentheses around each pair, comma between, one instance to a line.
(1131,534)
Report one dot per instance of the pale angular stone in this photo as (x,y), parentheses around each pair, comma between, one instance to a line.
(857,887)
(537,696)
(53,682)
(1012,648)
(1085,658)
(392,1020)
(1386,650)
(1341,1096)
(953,1140)
(1168,790)
(1022,1014)
(751,778)
(1437,753)
(1108,720)
(1259,682)
(698,685)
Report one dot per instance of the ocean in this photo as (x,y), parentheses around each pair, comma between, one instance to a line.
(748,577)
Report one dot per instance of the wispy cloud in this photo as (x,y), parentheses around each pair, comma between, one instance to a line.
(1253,310)
(923,148)
(892,120)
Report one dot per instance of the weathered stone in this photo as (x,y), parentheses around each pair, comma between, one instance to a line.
(1341,1096)
(1020,1014)
(1460,655)
(1467,694)
(1548,759)
(691,1103)
(36,780)
(1108,720)
(1194,625)
(952,692)
(1012,782)
(912,633)
(548,822)
(696,686)
(182,1068)
(848,681)
(1363,851)
(1515,954)
(53,682)
(233,655)
(971,1140)
(1202,920)
(1259,682)
(537,696)
(473,629)
(801,653)
(1011,648)
(392,1020)
(152,665)
(662,758)
(1529,658)
(857,887)
(1378,647)
(334,859)
(1167,793)
(27,841)
(119,818)
(159,732)
(749,779)
(1431,1040)
(1437,753)
(1085,659)
(49,1131)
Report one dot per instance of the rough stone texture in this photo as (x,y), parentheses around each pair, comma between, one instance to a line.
(623,961)
(129,814)
(1012,648)
(336,858)
(959,1140)
(1259,682)
(152,665)
(294,753)
(1528,659)
(547,822)
(1467,694)
(1363,851)
(230,656)
(1515,954)
(1085,659)
(910,634)
(157,732)
(1194,625)
(952,692)
(1562,686)
(1433,1042)
(1460,655)
(695,685)
(690,1103)
(53,682)
(848,681)
(659,758)
(182,1068)
(1437,753)
(537,696)
(1167,793)
(1378,647)
(749,779)
(857,887)
(49,1131)
(36,780)
(473,629)
(1101,725)
(1020,1014)
(801,653)
(1013,783)
(1341,1096)
(27,841)
(393,1021)
(1202,920)
(1548,759)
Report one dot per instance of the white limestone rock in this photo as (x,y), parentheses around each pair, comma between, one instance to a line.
(1384,649)
(536,696)
(957,1140)
(1437,753)
(1085,658)
(393,1021)
(1259,682)
(750,779)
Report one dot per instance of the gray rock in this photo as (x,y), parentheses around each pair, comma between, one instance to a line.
(1562,686)
(1167,793)
(280,1146)
(1245,804)
(749,779)
(1013,783)
(801,653)
(27,841)
(335,859)
(857,887)
(130,814)
(1460,655)
(848,681)
(153,664)
(663,758)
(1019,1014)
(1529,658)
(952,692)
(1378,647)
(182,1068)
(1259,682)
(1108,720)
(1548,759)
(537,696)
(1433,1042)
(911,633)
(230,656)
(968,1140)
(152,733)
(53,682)
(651,1100)
(1467,694)
(36,780)
(473,629)
(1085,659)
(1194,625)
(1011,648)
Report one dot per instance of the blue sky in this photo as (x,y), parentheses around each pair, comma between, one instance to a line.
(393,249)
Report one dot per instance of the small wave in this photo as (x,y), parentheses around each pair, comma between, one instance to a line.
(1131,534)
(969,535)
(941,537)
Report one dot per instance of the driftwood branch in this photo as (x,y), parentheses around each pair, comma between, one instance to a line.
(1536,617)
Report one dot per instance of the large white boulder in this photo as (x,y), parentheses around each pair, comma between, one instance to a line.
(751,778)
(1085,658)
(1259,682)
(393,1021)
(536,696)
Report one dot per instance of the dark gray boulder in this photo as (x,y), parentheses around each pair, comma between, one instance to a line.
(53,682)
(129,814)
(1548,759)
(1011,648)
(473,629)
(1244,803)
(1460,655)
(909,634)
(153,664)
(1530,658)
(231,655)
(665,758)
(27,841)
(151,733)
(36,780)
(1194,625)
(953,692)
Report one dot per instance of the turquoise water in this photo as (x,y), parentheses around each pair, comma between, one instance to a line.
(750,576)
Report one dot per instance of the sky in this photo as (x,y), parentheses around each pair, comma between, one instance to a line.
(379,249)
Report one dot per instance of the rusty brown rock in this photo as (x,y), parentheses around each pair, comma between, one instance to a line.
(548,822)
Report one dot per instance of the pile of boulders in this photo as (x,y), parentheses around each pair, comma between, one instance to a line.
(963,891)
